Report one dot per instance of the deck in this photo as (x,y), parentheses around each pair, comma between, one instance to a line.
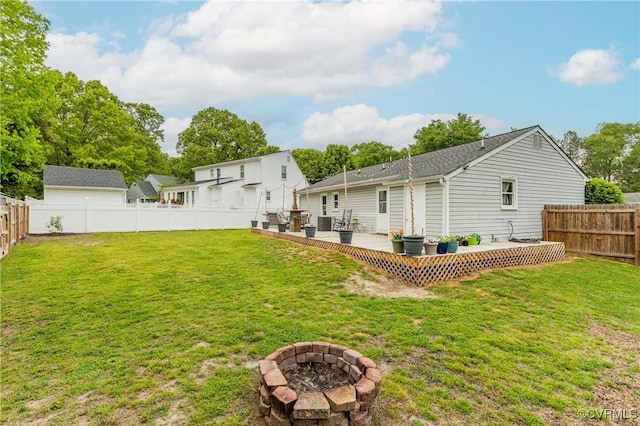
(376,250)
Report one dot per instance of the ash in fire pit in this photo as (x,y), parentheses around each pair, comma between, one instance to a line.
(316,377)
(318,383)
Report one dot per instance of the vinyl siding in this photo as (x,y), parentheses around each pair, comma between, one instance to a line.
(434,210)
(543,177)
(362,202)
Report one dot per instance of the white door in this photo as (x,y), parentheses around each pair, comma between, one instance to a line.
(382,217)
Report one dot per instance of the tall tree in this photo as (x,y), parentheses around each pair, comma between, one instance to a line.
(335,157)
(438,134)
(25,92)
(372,153)
(268,149)
(572,145)
(606,150)
(629,176)
(215,136)
(92,125)
(311,163)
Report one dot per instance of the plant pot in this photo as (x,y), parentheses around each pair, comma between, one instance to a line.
(265,225)
(473,240)
(254,223)
(345,236)
(413,244)
(442,248)
(453,247)
(398,246)
(282,227)
(430,249)
(310,231)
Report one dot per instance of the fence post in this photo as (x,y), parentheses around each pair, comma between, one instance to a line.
(545,232)
(637,232)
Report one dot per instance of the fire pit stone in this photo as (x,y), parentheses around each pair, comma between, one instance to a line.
(318,383)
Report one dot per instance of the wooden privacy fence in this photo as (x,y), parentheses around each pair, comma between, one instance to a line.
(14,223)
(611,230)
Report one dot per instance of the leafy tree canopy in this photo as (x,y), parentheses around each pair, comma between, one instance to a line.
(335,158)
(600,191)
(605,151)
(25,91)
(372,153)
(438,134)
(311,163)
(216,136)
(572,145)
(91,125)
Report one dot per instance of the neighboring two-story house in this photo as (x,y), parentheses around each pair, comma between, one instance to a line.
(264,183)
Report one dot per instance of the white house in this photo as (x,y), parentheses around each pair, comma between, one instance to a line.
(496,187)
(72,184)
(264,183)
(150,189)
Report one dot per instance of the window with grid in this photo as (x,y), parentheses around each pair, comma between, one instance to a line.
(242,171)
(284,172)
(509,193)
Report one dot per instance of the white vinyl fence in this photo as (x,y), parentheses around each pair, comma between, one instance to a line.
(96,217)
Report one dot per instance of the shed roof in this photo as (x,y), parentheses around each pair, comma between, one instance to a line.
(147,189)
(430,164)
(73,176)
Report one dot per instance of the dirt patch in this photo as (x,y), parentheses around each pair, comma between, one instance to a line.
(619,386)
(384,286)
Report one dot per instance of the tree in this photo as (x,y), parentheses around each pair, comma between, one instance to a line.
(25,92)
(438,134)
(629,176)
(268,149)
(572,145)
(600,191)
(606,150)
(335,157)
(372,153)
(311,163)
(216,136)
(91,125)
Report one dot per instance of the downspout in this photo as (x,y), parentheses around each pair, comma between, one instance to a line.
(445,205)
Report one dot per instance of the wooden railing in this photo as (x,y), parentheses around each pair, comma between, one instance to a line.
(14,223)
(611,230)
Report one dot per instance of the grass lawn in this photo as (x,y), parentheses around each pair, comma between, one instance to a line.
(164,328)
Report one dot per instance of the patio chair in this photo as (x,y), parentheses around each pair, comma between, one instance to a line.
(344,221)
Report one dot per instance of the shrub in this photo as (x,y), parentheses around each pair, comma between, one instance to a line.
(55,224)
(600,191)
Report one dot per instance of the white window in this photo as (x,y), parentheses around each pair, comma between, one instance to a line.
(242,171)
(284,172)
(509,194)
(336,203)
(212,173)
(382,201)
(324,204)
(268,195)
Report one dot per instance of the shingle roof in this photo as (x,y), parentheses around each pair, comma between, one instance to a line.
(147,189)
(73,176)
(430,164)
(164,178)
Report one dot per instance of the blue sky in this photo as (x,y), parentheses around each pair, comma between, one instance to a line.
(314,73)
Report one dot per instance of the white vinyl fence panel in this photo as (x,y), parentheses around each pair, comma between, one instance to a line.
(96,217)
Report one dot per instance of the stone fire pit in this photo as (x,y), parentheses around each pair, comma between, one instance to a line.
(317,383)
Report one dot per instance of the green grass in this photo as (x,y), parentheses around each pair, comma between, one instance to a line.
(164,327)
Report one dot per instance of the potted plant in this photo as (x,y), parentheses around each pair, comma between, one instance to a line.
(453,244)
(474,239)
(443,245)
(309,230)
(431,247)
(463,240)
(346,234)
(412,243)
(396,241)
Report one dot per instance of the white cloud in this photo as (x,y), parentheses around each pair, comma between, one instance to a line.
(589,67)
(241,50)
(354,124)
(636,65)
(172,127)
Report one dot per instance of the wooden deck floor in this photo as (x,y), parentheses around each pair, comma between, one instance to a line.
(376,250)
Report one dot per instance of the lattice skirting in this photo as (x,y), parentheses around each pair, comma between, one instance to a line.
(430,269)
